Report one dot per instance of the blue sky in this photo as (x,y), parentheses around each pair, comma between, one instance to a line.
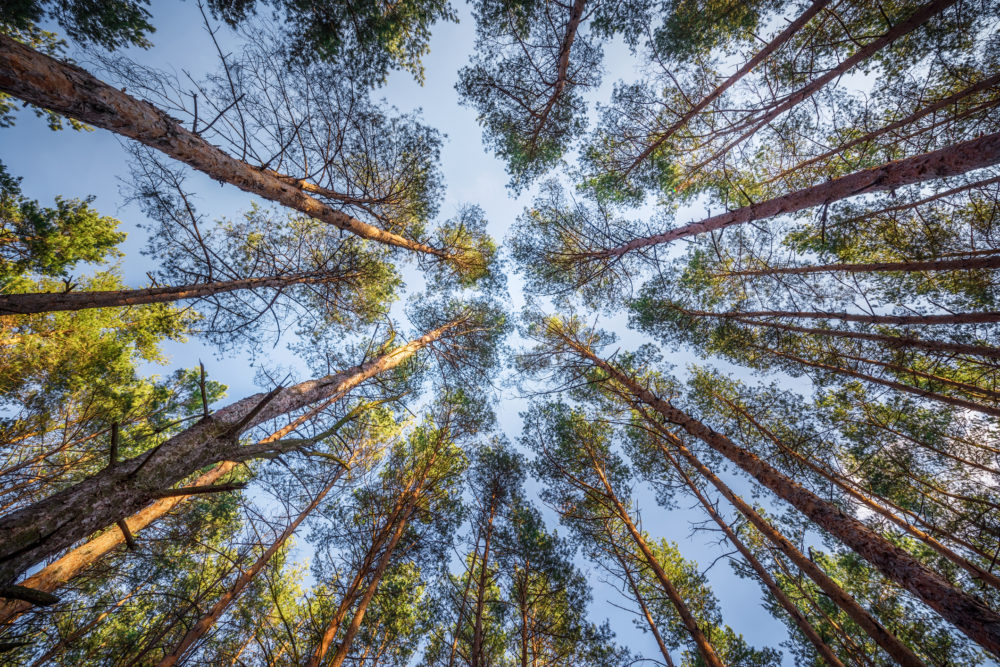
(77,164)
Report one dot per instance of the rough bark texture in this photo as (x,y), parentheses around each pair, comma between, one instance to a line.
(950,161)
(76,560)
(54,575)
(970,615)
(45,528)
(74,92)
(205,623)
(44,302)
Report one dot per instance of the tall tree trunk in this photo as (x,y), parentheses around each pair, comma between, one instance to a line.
(562,66)
(705,648)
(76,560)
(979,86)
(71,91)
(392,530)
(465,601)
(889,642)
(477,631)
(892,384)
(952,318)
(904,341)
(827,473)
(911,23)
(757,59)
(637,594)
(45,528)
(57,573)
(950,161)
(45,302)
(801,622)
(970,264)
(970,615)
(376,579)
(205,623)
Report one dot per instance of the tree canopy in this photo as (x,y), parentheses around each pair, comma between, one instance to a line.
(706,372)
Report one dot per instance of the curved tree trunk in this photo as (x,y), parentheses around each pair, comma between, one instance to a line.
(71,91)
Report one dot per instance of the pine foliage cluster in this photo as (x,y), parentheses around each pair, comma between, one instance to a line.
(760,307)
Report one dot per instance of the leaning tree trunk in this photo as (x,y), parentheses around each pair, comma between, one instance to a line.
(970,264)
(394,528)
(74,92)
(979,86)
(914,21)
(923,320)
(968,614)
(205,623)
(892,384)
(633,586)
(704,646)
(904,341)
(950,161)
(45,528)
(757,59)
(801,622)
(837,480)
(359,613)
(45,302)
(891,644)
(562,66)
(56,574)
